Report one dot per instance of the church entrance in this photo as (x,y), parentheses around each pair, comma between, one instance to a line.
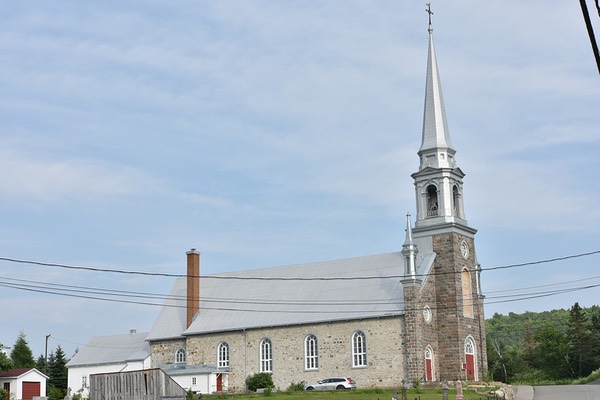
(470,359)
(428,364)
(219,382)
(470,367)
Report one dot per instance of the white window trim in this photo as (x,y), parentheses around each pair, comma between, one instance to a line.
(311,361)
(359,350)
(266,355)
(223,355)
(180,356)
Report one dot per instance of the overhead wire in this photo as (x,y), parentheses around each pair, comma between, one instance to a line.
(275,278)
(233,304)
(121,296)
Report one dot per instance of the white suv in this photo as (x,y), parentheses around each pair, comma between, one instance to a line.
(332,384)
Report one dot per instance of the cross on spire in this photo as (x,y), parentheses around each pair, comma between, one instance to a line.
(428,9)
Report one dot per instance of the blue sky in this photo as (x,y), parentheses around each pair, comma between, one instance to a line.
(268,133)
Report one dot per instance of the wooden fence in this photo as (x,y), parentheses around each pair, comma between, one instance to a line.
(151,384)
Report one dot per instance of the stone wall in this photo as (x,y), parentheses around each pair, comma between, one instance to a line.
(384,352)
(163,352)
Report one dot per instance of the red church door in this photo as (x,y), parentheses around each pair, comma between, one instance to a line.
(219,382)
(428,370)
(470,367)
(428,364)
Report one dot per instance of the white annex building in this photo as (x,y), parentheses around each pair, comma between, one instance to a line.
(416,313)
(104,354)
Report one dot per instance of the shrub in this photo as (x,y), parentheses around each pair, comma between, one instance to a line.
(296,387)
(190,395)
(54,393)
(260,380)
(416,385)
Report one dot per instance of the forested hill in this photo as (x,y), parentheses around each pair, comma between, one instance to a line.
(545,346)
(512,329)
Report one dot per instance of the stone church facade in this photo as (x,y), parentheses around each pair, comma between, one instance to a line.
(382,320)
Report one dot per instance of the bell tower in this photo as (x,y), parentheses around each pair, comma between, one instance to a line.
(438,182)
(442,296)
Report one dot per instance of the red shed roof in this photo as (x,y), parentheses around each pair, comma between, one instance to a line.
(13,373)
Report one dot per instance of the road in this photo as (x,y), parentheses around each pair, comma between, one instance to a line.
(560,392)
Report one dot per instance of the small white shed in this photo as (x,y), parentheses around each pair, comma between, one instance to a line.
(205,379)
(23,383)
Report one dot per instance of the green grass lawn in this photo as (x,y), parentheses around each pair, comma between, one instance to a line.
(361,394)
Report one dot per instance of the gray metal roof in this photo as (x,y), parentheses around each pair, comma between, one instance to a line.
(112,349)
(353,288)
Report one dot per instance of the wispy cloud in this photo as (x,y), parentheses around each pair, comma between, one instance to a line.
(273,132)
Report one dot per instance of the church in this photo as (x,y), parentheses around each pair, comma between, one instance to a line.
(385,319)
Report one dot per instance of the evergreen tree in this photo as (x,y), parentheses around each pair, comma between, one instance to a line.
(580,341)
(40,364)
(21,354)
(52,391)
(5,362)
(57,370)
(594,313)
(551,355)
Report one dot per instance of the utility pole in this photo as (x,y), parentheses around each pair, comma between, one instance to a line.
(590,29)
(46,356)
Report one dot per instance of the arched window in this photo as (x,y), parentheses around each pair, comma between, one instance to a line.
(470,359)
(359,349)
(432,201)
(266,355)
(429,366)
(467,293)
(223,355)
(180,356)
(311,352)
(469,346)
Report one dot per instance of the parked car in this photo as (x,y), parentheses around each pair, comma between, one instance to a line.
(332,384)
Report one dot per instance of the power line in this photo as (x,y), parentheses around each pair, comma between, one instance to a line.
(24,283)
(100,294)
(299,278)
(546,285)
(548,260)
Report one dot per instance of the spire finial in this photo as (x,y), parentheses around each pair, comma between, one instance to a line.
(428,9)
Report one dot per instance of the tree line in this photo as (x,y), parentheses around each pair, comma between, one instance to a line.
(21,356)
(557,345)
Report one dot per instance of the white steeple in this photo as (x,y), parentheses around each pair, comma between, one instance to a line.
(438,182)
(436,148)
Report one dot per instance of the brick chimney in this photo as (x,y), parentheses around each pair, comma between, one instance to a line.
(193,285)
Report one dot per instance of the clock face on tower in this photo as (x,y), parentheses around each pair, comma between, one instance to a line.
(464,249)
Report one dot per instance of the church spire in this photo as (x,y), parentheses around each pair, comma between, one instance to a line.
(438,182)
(436,148)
